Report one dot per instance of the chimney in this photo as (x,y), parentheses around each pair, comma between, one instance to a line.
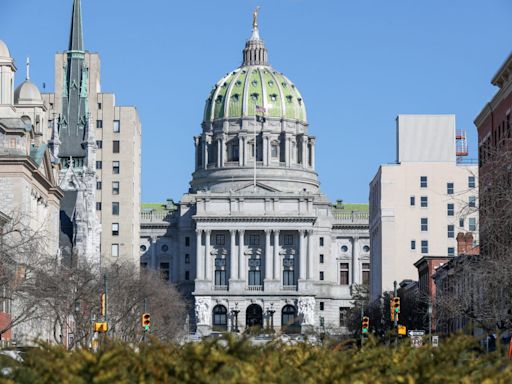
(462,244)
(469,242)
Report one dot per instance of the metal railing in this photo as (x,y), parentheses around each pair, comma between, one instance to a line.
(154,216)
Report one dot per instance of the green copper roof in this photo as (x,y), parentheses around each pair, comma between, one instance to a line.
(37,153)
(238,93)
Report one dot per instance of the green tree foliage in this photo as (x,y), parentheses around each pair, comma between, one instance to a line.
(231,360)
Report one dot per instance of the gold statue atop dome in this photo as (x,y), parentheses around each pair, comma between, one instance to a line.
(255,17)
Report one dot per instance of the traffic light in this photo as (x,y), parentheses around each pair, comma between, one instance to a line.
(145,321)
(366,324)
(394,306)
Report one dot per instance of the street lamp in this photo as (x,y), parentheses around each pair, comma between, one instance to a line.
(234,313)
(270,313)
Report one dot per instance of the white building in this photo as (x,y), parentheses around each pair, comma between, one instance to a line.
(264,250)
(420,203)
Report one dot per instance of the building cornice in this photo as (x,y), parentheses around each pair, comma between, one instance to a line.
(255,219)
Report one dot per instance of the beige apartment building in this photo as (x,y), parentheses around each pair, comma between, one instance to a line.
(419,203)
(117,132)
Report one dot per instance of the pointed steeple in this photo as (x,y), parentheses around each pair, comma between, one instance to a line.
(255,52)
(76,38)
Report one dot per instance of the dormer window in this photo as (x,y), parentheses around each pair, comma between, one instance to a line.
(299,100)
(254,96)
(289,98)
(254,83)
(238,83)
(273,97)
(235,97)
(218,99)
(270,83)
(284,84)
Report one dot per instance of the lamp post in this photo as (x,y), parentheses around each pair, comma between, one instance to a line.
(234,313)
(270,313)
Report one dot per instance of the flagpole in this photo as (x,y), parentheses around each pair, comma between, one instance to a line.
(254,155)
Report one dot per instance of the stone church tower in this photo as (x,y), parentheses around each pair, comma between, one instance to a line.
(73,143)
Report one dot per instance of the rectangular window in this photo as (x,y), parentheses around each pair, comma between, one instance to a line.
(117,126)
(99,105)
(254,239)
(187,275)
(413,245)
(451,209)
(98,205)
(424,246)
(274,151)
(321,275)
(115,250)
(471,182)
(98,164)
(288,239)
(472,201)
(461,222)
(451,231)
(99,123)
(451,251)
(472,224)
(343,316)
(187,258)
(423,181)
(115,146)
(99,144)
(187,241)
(288,277)
(321,241)
(424,201)
(115,229)
(424,224)
(254,277)
(220,239)
(115,208)
(321,258)
(449,188)
(115,187)
(164,271)
(98,185)
(366,273)
(412,201)
(344,274)
(221,277)
(322,321)
(321,305)
(115,167)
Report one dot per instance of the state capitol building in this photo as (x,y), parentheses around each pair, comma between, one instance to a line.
(254,242)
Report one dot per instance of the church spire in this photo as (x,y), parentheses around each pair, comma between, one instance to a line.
(76,38)
(255,52)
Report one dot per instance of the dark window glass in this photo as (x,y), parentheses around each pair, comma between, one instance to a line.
(288,277)
(413,244)
(321,259)
(98,185)
(115,208)
(321,305)
(220,239)
(99,144)
(451,251)
(321,275)
(424,224)
(451,231)
(423,181)
(187,275)
(99,123)
(288,239)
(98,164)
(115,187)
(451,209)
(321,241)
(344,274)
(424,201)
(412,201)
(164,271)
(220,318)
(98,206)
(254,277)
(471,182)
(366,273)
(115,146)
(472,201)
(424,246)
(449,188)
(115,167)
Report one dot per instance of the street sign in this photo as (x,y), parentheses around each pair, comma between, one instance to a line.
(101,326)
(435,341)
(416,332)
(402,330)
(416,341)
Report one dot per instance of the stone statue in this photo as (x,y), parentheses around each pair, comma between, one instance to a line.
(202,311)
(255,17)
(306,310)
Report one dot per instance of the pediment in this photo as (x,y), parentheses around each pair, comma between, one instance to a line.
(260,187)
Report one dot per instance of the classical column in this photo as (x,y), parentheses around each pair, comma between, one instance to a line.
(356,278)
(219,152)
(288,151)
(153,252)
(312,153)
(241,257)
(304,151)
(199,256)
(207,255)
(240,151)
(233,258)
(265,149)
(223,150)
(205,152)
(268,256)
(277,261)
(244,145)
(302,256)
(310,255)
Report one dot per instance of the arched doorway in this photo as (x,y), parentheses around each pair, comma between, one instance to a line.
(220,319)
(254,316)
(289,320)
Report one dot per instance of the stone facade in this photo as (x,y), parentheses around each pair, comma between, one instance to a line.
(255,241)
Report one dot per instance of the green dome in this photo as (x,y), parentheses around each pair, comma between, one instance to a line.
(238,93)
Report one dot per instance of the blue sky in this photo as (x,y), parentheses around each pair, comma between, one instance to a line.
(357,64)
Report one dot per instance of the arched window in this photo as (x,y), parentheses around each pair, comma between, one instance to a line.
(233,150)
(274,150)
(289,320)
(220,318)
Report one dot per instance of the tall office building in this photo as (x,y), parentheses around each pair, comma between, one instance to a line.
(98,144)
(419,203)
